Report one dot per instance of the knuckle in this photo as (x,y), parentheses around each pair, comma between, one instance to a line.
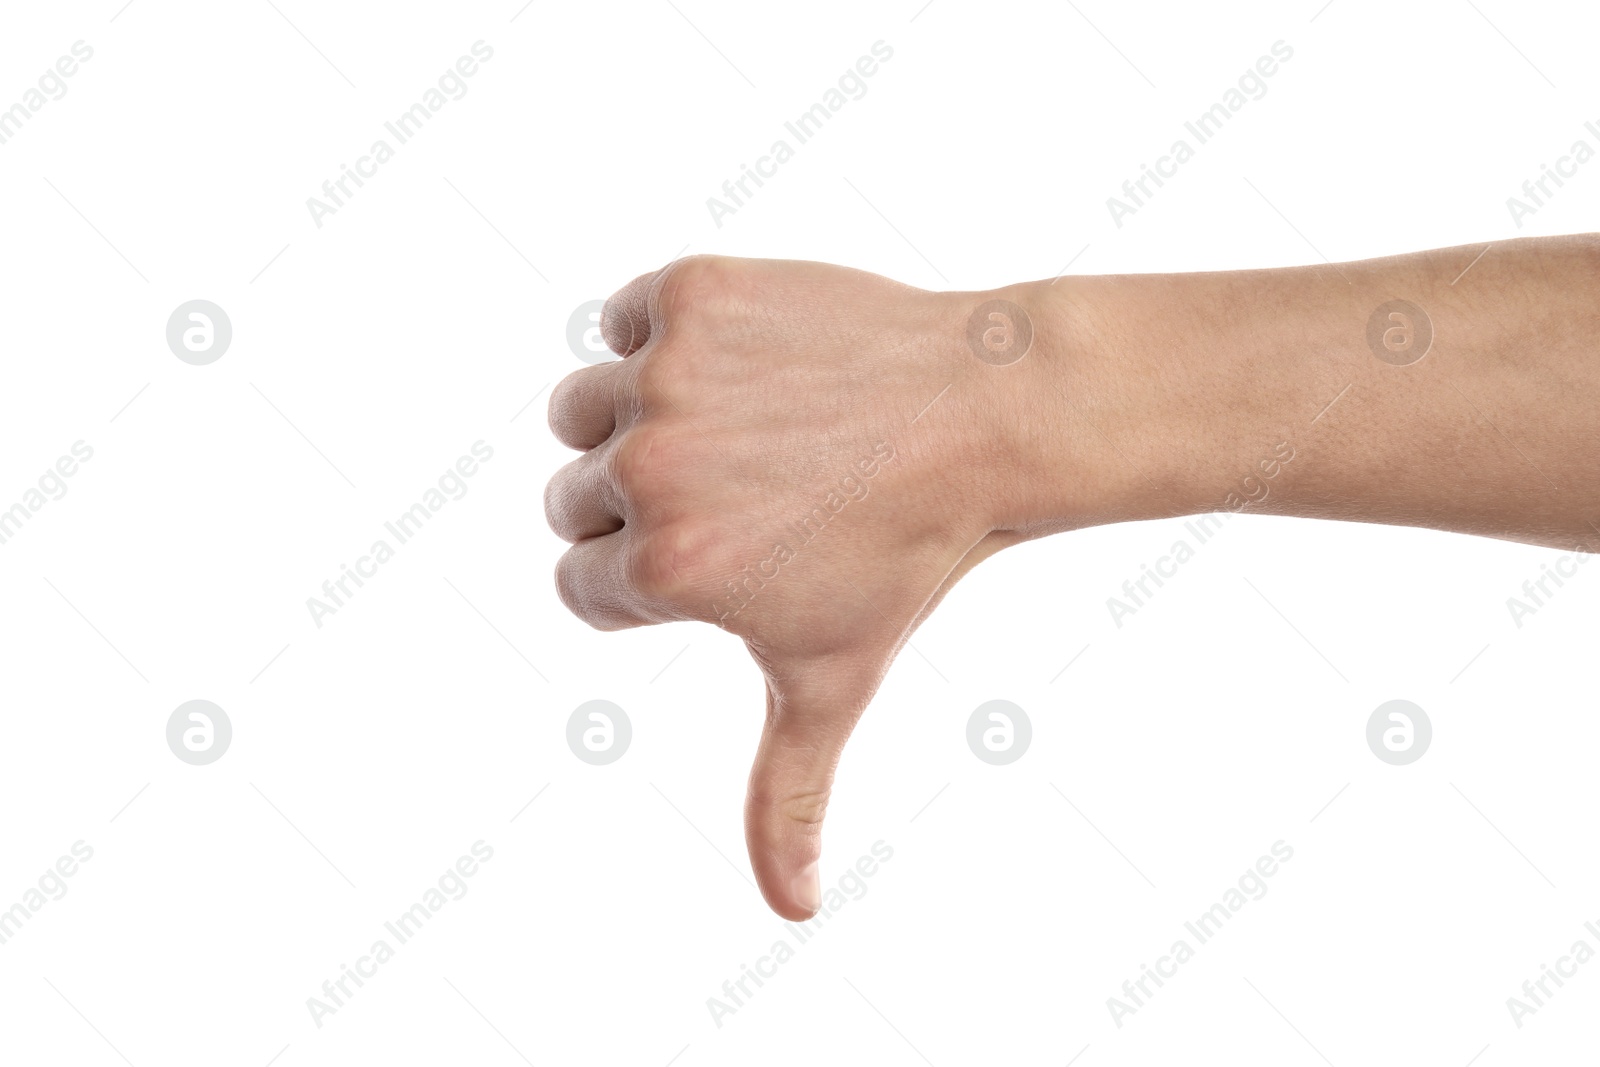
(690,283)
(654,380)
(664,562)
(808,807)
(631,461)
(637,462)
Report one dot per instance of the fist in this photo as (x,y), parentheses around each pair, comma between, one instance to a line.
(808,457)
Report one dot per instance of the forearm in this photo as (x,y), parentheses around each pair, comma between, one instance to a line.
(1259,391)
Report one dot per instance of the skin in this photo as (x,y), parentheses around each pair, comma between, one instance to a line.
(810,456)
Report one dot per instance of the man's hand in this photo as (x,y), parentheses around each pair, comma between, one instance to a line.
(810,456)
(805,455)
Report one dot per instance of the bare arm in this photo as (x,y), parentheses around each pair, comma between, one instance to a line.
(1406,396)
(810,456)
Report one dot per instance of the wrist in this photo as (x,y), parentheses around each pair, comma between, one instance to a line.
(1181,394)
(1090,432)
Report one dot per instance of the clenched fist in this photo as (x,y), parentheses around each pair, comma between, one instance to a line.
(808,457)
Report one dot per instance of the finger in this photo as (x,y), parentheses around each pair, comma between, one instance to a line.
(625,318)
(592,581)
(631,318)
(581,500)
(583,407)
(808,722)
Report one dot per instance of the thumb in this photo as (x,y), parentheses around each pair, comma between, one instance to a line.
(808,722)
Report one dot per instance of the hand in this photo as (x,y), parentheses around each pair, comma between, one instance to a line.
(807,456)
(810,457)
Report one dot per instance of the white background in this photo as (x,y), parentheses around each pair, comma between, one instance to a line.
(431,312)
